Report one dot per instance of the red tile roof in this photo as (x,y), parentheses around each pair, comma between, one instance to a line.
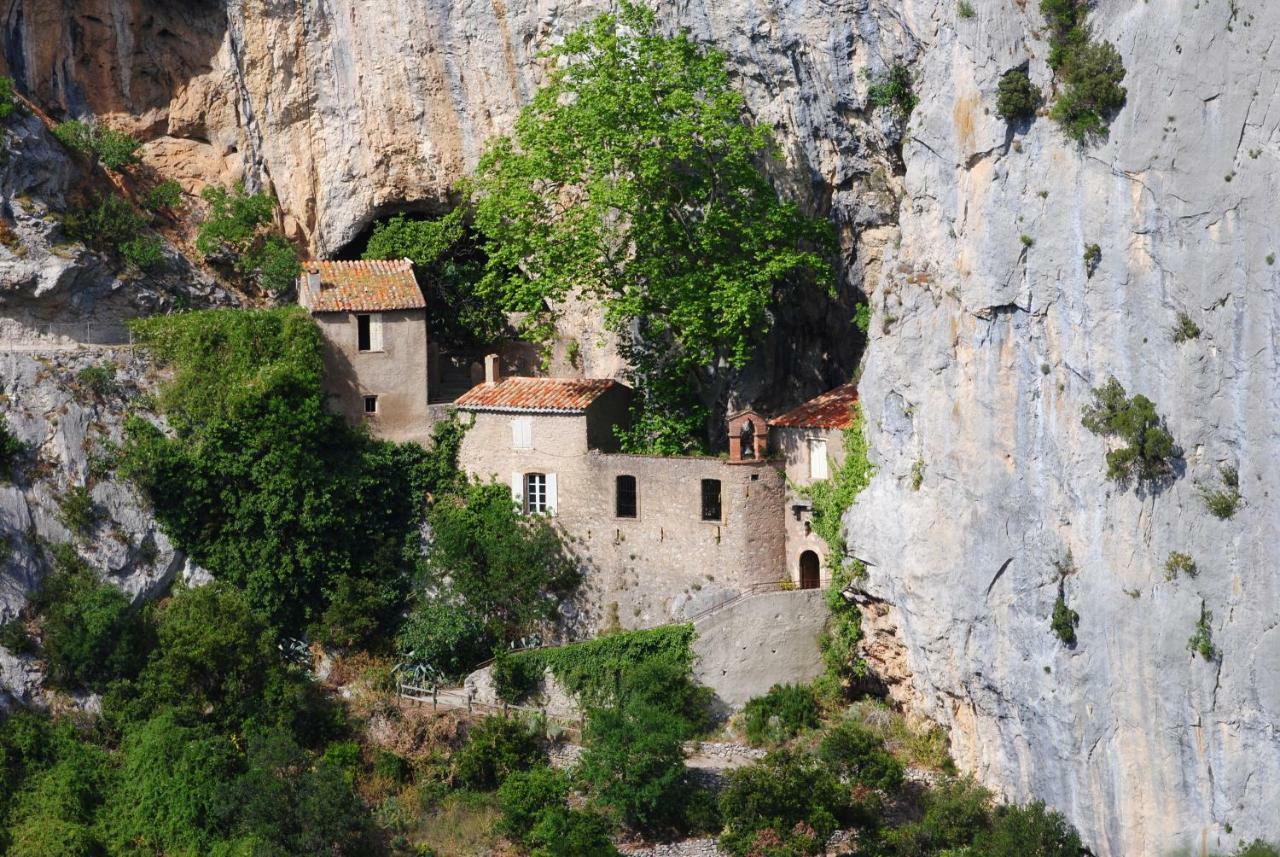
(363,286)
(832,409)
(558,395)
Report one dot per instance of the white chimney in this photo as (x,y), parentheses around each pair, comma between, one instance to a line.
(492,369)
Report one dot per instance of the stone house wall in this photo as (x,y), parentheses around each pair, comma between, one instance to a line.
(397,374)
(793,445)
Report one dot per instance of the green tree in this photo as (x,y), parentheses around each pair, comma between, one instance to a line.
(857,754)
(449,265)
(781,714)
(1016,96)
(496,748)
(632,179)
(525,796)
(785,801)
(239,231)
(1028,831)
(114,149)
(1091,71)
(1149,450)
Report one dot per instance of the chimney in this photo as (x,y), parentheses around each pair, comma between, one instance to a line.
(492,369)
(311,283)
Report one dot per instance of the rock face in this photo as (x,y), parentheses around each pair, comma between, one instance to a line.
(984,346)
(984,352)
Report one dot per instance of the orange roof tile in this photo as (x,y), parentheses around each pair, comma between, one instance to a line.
(558,395)
(833,409)
(362,286)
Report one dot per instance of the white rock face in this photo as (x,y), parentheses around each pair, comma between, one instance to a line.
(984,352)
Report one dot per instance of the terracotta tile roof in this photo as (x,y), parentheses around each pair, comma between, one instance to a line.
(363,286)
(558,395)
(832,409)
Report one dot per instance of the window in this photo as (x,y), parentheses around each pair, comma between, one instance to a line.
(370,404)
(522,433)
(817,458)
(369,332)
(535,493)
(625,497)
(710,499)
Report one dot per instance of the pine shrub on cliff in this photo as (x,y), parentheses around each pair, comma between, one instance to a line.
(1091,72)
(1148,451)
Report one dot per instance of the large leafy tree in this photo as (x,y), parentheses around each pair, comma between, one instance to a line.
(634,179)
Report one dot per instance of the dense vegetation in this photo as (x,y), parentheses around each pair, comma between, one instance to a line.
(633,179)
(109,223)
(1148,451)
(8,103)
(1016,96)
(1090,71)
(239,234)
(114,149)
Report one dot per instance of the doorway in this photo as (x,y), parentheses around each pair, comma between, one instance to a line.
(809,576)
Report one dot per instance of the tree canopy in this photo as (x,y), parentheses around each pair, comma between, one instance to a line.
(634,179)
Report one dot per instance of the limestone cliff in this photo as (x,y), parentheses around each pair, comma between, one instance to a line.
(983,348)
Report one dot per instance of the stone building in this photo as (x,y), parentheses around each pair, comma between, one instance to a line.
(664,537)
(810,440)
(374,321)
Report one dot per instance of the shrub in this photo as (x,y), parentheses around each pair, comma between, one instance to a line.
(98,380)
(1201,641)
(1064,621)
(77,511)
(1222,502)
(955,813)
(8,102)
(858,755)
(495,749)
(14,637)
(572,833)
(75,135)
(1179,563)
(1092,91)
(1016,96)
(781,714)
(145,252)
(894,89)
(1184,329)
(239,230)
(445,637)
(965,9)
(106,224)
(787,799)
(1148,452)
(1028,830)
(526,795)
(515,679)
(11,450)
(1092,258)
(167,194)
(115,149)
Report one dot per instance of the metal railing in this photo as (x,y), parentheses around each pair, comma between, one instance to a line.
(64,335)
(460,698)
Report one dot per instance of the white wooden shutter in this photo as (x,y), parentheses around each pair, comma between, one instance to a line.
(522,433)
(375,331)
(517,488)
(551,493)
(817,459)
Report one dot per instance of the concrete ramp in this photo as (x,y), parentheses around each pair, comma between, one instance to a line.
(748,646)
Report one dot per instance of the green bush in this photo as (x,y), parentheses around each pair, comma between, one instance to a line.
(1019,831)
(859,756)
(146,252)
(1223,501)
(99,380)
(1149,450)
(572,833)
(77,511)
(14,637)
(1092,258)
(106,224)
(167,194)
(115,149)
(894,89)
(786,800)
(526,795)
(781,714)
(444,636)
(1179,563)
(1064,621)
(496,748)
(1016,96)
(1091,71)
(1201,642)
(12,449)
(239,230)
(8,103)
(515,679)
(90,633)
(955,813)
(1184,329)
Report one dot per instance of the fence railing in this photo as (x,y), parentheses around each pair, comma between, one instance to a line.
(70,334)
(460,698)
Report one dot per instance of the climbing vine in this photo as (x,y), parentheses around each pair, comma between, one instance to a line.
(831,497)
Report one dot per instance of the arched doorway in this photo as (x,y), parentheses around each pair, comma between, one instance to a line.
(809,576)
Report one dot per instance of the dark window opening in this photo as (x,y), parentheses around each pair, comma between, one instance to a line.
(370,404)
(625,497)
(747,436)
(810,575)
(364,333)
(710,499)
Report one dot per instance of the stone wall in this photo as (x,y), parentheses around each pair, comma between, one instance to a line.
(397,374)
(793,445)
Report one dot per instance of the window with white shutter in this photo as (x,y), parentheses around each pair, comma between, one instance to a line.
(535,493)
(552,500)
(817,458)
(522,433)
(517,488)
(375,331)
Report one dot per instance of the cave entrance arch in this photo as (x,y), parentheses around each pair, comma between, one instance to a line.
(809,574)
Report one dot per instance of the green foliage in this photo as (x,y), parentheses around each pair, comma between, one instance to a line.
(239,230)
(1256,848)
(8,102)
(449,265)
(90,633)
(259,481)
(1091,72)
(894,89)
(526,795)
(1027,240)
(12,449)
(786,800)
(832,497)
(858,755)
(1064,621)
(1223,501)
(166,195)
(862,317)
(99,380)
(496,748)
(1184,329)
(1179,563)
(917,474)
(1019,831)
(1092,258)
(146,252)
(1148,452)
(77,511)
(594,670)
(114,149)
(106,224)
(965,9)
(632,179)
(444,636)
(1201,641)
(572,833)
(14,637)
(1016,96)
(515,679)
(781,714)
